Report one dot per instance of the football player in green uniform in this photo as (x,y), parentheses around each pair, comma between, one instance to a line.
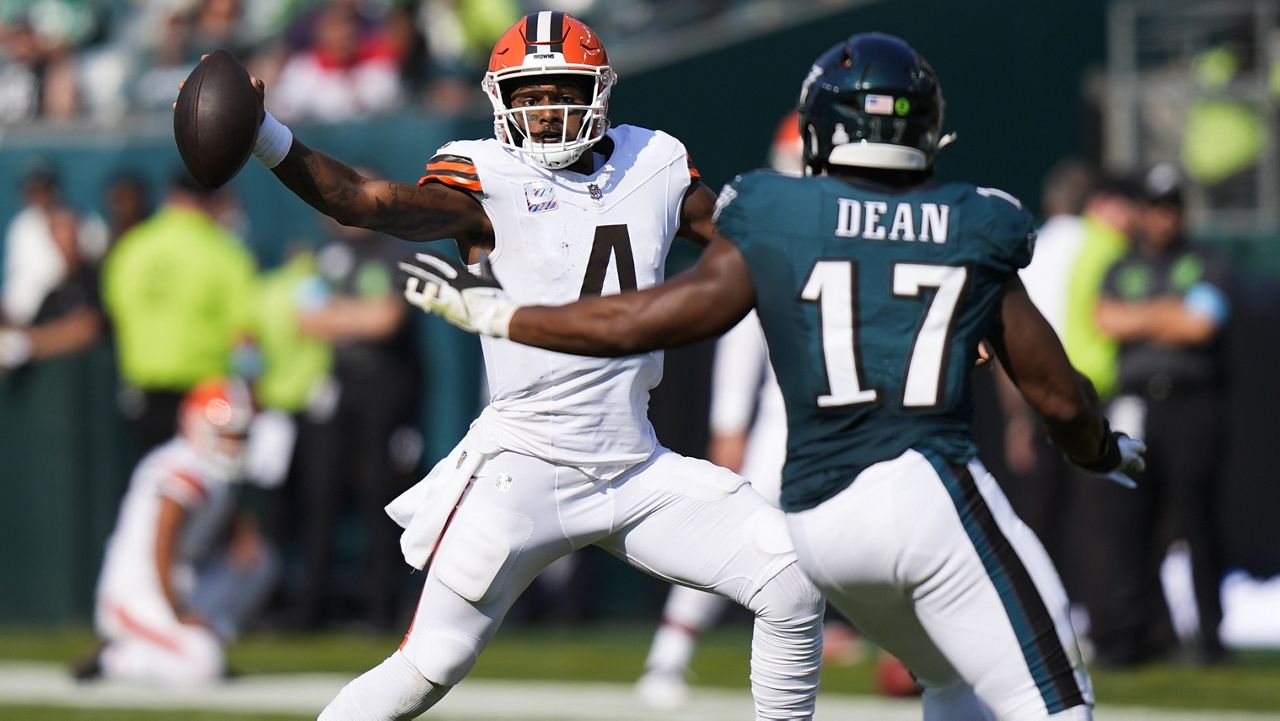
(875,287)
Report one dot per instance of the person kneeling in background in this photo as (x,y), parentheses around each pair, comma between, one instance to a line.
(184,565)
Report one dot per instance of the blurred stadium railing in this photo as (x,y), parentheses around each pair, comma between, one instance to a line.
(1198,84)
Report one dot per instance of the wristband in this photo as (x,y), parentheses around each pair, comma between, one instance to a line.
(500,323)
(1109,456)
(273,142)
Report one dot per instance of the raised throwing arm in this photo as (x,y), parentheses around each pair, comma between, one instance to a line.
(407,211)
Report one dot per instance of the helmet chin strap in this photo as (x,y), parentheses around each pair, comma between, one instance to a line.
(552,159)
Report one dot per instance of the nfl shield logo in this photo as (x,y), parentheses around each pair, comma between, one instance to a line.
(594,191)
(540,196)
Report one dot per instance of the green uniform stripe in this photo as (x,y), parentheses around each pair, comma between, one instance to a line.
(1032,625)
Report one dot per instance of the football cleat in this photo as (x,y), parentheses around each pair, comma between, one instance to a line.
(662,690)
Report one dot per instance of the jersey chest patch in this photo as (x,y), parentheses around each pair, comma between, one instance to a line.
(540,196)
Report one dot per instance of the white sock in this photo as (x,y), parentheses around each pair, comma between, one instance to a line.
(390,691)
(786,646)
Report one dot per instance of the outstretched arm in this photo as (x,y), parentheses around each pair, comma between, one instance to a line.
(702,302)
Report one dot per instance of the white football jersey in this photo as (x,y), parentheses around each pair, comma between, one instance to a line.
(561,236)
(172,470)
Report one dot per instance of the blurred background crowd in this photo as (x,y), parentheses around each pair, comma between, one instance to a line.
(106,60)
(1152,163)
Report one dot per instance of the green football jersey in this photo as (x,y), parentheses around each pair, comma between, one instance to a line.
(873,303)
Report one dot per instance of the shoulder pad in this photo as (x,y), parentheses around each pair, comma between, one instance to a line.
(453,169)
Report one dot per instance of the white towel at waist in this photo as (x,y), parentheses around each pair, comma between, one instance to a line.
(424,509)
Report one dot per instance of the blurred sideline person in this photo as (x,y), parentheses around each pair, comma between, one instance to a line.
(564,455)
(1110,218)
(184,565)
(1067,189)
(126,201)
(33,264)
(294,375)
(873,304)
(364,442)
(1165,303)
(46,245)
(179,289)
(69,317)
(748,437)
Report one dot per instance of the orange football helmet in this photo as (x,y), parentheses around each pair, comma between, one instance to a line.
(215,418)
(549,43)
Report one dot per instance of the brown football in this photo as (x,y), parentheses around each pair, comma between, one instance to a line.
(216,119)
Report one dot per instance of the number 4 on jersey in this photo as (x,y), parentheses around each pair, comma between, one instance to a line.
(610,241)
(832,284)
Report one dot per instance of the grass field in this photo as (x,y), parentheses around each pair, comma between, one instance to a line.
(614,655)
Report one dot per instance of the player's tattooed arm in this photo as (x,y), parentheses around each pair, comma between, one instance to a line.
(1035,361)
(406,211)
(696,211)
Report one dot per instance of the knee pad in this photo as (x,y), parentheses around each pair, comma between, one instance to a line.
(441,653)
(788,597)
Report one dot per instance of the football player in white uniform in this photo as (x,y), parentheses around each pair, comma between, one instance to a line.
(564,206)
(183,566)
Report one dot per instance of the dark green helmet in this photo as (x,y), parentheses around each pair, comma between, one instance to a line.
(871,102)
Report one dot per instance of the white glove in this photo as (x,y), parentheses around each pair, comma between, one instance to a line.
(1131,460)
(15,348)
(445,287)
(1121,456)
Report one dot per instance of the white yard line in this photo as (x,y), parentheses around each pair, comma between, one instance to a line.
(490,699)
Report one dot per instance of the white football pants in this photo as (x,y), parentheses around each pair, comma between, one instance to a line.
(680,519)
(931,563)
